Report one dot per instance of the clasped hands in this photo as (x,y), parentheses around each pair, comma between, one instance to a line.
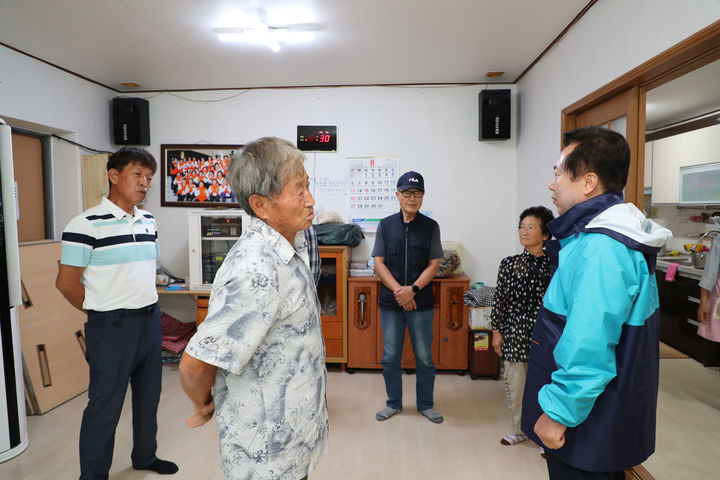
(405,297)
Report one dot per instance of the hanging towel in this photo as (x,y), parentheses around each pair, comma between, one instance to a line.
(671,271)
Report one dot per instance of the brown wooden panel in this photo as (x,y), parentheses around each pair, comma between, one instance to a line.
(332,330)
(53,323)
(332,293)
(28,166)
(363,318)
(201,309)
(333,348)
(452,341)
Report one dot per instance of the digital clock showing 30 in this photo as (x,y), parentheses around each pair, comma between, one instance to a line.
(317,138)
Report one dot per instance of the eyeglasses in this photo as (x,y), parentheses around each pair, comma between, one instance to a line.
(414,193)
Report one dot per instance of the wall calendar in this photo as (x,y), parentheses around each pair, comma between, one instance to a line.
(371,190)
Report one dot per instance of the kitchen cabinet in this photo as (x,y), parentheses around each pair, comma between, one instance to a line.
(679,302)
(332,292)
(696,147)
(647,180)
(450,325)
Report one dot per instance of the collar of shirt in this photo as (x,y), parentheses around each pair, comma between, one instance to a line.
(118,212)
(283,248)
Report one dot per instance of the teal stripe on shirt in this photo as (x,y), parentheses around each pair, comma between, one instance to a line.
(75,255)
(122,221)
(125,254)
(98,224)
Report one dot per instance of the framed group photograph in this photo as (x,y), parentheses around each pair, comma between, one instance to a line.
(195,175)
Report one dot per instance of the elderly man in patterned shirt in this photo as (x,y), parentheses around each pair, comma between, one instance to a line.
(261,343)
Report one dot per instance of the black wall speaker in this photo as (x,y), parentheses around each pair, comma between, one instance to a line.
(131,121)
(494,114)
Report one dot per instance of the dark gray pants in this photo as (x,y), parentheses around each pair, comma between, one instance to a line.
(123,346)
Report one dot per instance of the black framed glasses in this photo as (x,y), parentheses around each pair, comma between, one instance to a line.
(413,193)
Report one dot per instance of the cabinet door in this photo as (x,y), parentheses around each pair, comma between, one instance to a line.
(363,319)
(331,293)
(452,344)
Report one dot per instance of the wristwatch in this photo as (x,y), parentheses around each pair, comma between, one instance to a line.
(415,288)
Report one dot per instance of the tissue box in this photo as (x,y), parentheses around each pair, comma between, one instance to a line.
(480,318)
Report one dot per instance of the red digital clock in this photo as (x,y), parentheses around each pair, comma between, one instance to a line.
(317,138)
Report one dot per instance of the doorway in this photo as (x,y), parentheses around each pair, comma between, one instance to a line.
(32,180)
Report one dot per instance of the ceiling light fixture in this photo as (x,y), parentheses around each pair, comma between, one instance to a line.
(260,33)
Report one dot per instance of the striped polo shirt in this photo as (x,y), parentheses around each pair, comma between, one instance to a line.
(118,252)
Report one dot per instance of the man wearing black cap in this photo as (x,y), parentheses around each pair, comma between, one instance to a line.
(407,255)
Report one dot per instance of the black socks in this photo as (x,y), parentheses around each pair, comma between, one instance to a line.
(163,467)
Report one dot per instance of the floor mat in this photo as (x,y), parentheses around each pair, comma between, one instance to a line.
(666,351)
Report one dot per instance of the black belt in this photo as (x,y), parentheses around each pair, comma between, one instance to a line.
(147,311)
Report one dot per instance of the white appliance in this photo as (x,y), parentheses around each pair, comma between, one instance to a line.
(13,424)
(211,234)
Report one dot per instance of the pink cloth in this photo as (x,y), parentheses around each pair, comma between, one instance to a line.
(711,328)
(176,334)
(671,271)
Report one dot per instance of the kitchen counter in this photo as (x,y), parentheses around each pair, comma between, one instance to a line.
(685,268)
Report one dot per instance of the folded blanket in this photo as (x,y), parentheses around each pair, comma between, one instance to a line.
(480,297)
(176,334)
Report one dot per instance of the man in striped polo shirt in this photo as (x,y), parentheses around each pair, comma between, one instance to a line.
(107,270)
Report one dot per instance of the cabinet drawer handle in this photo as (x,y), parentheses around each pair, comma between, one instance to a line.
(692,322)
(360,322)
(694,300)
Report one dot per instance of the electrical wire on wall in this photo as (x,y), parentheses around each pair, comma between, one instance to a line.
(89,149)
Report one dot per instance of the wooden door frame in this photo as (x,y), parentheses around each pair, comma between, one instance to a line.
(690,54)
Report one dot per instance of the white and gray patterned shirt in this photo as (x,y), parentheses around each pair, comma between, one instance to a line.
(263,333)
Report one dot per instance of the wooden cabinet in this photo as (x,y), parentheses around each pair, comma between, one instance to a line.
(696,147)
(450,325)
(679,302)
(332,292)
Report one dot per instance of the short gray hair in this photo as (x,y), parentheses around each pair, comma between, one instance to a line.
(262,168)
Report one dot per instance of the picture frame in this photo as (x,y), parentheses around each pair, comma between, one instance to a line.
(185,170)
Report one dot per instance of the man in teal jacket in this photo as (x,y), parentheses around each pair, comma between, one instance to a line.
(591,391)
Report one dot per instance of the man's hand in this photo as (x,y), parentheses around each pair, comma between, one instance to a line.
(405,297)
(497,341)
(202,415)
(197,378)
(551,433)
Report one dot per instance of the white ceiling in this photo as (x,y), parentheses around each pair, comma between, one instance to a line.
(691,95)
(170,44)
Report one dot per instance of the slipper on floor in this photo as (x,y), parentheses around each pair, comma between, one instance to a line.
(513,438)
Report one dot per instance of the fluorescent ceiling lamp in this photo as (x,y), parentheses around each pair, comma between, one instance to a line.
(259,33)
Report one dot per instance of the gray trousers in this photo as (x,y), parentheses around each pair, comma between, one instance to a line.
(514,377)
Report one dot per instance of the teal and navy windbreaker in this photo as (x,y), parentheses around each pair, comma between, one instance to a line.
(594,357)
